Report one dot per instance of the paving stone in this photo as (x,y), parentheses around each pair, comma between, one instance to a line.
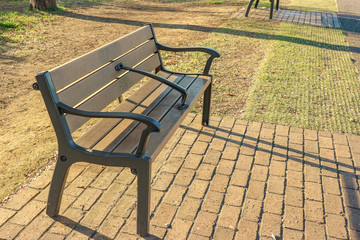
(353,215)
(244,162)
(28,213)
(172,165)
(240,178)
(65,223)
(104,180)
(310,134)
(259,173)
(277,168)
(314,211)
(270,225)
(294,197)
(256,190)
(179,229)
(294,217)
(199,148)
(345,165)
(180,151)
(163,181)
(212,157)
(175,195)
(213,202)
(189,208)
(234,195)
(294,179)
(110,227)
(225,167)
(333,204)
(52,236)
(219,183)
(229,216)
(282,130)
(205,172)
(274,203)
(313,191)
(289,233)
(351,198)
(188,138)
(192,161)
(184,177)
(296,150)
(325,142)
(36,228)
(311,147)
(198,188)
(336,226)
(248,148)
(314,230)
(262,158)
(230,153)
(296,137)
(5,214)
(251,210)
(340,139)
(204,224)
(331,185)
(10,230)
(22,198)
(295,164)
(276,185)
(342,151)
(217,144)
(247,230)
(164,215)
(87,199)
(312,173)
(223,233)
(267,133)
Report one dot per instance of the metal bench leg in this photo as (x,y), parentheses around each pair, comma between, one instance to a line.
(56,188)
(256,4)
(277,4)
(248,8)
(206,106)
(272,9)
(144,194)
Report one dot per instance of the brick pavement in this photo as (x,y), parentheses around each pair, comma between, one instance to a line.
(232,180)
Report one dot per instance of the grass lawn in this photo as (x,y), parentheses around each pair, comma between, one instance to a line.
(307,80)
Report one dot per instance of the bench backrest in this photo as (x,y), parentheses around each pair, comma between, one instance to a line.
(91,82)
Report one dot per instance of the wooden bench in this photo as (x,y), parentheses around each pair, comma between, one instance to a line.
(134,133)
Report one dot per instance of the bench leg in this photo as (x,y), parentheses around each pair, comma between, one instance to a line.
(206,106)
(248,8)
(271,8)
(144,195)
(56,188)
(256,4)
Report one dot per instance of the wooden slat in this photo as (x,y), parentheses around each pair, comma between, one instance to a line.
(89,85)
(75,69)
(109,94)
(174,118)
(126,126)
(102,128)
(131,142)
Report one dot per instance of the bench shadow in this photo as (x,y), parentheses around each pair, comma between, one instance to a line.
(347,180)
(86,231)
(228,31)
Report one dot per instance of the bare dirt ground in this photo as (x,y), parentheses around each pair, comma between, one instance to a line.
(27,140)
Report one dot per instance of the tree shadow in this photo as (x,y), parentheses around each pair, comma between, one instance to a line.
(223,30)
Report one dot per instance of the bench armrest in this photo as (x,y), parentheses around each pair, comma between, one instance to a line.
(177,87)
(152,124)
(212,52)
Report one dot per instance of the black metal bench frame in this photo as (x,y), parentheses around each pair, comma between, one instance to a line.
(256,5)
(151,134)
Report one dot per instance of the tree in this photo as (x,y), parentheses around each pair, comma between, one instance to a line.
(42,4)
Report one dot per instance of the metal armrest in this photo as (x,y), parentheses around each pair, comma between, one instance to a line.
(152,124)
(177,87)
(212,52)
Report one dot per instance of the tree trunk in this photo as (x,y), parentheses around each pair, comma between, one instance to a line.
(43,4)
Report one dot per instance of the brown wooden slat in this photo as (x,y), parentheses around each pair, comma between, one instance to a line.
(109,94)
(102,128)
(170,102)
(89,85)
(121,131)
(77,68)
(175,117)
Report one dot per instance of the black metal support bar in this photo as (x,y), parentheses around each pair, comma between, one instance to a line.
(177,87)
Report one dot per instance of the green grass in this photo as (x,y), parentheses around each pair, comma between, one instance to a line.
(307,80)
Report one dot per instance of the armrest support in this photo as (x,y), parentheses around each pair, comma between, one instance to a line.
(212,52)
(177,87)
(152,124)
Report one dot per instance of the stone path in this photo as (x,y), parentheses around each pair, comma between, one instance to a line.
(330,20)
(232,180)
